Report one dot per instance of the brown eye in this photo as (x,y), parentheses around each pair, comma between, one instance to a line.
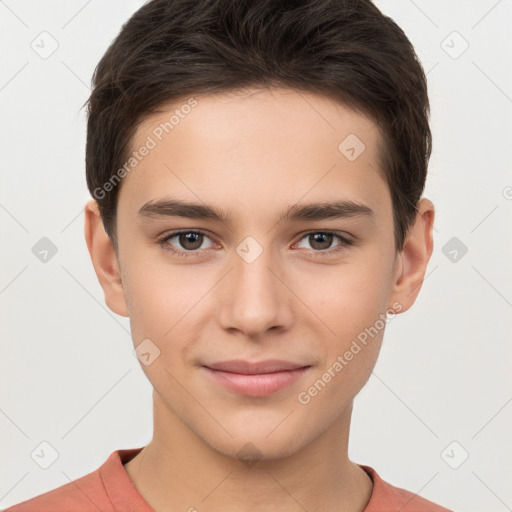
(185,243)
(323,241)
(320,241)
(191,240)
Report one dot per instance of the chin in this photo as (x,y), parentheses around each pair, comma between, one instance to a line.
(253,445)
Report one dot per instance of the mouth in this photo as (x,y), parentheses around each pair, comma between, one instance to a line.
(256,379)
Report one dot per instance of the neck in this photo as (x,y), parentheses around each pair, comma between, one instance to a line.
(177,470)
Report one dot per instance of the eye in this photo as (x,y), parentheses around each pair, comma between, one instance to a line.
(322,241)
(186,242)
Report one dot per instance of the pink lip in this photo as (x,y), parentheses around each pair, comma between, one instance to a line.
(256,379)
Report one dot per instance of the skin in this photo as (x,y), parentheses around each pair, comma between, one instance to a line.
(255,153)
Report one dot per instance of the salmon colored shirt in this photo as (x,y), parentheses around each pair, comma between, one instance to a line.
(109,489)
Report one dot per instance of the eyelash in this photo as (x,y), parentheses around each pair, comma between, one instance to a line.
(344,242)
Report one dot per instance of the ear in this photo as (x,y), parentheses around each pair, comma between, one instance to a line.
(104,260)
(411,262)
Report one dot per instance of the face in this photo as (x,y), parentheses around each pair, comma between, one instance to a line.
(253,272)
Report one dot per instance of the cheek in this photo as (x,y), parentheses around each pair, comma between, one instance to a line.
(352,304)
(162,312)
(165,308)
(352,297)
(163,300)
(352,307)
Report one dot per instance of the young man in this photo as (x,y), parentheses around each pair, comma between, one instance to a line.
(257,170)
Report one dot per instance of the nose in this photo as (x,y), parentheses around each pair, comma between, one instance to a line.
(254,297)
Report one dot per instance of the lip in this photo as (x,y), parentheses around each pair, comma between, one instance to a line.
(256,379)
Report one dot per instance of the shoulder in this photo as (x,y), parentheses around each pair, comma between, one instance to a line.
(85,493)
(388,498)
(89,492)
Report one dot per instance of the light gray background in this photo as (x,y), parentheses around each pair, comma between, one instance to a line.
(68,375)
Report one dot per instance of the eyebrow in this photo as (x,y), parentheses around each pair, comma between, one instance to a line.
(298,212)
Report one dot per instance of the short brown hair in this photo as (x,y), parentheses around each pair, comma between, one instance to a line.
(346,50)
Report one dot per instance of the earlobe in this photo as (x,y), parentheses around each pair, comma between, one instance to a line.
(104,259)
(414,257)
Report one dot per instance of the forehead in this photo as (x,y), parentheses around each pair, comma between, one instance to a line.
(276,113)
(250,144)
